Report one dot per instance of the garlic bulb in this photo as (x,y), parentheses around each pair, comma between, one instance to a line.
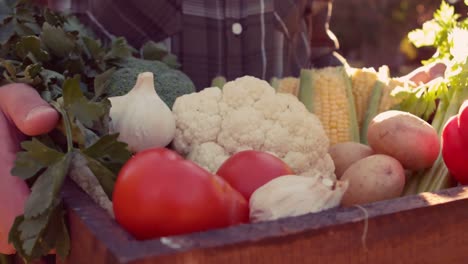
(141,117)
(294,195)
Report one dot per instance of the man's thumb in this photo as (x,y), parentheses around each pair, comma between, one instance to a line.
(27,110)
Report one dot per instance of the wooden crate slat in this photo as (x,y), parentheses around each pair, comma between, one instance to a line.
(426,228)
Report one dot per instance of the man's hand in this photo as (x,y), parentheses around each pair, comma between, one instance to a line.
(425,74)
(22,112)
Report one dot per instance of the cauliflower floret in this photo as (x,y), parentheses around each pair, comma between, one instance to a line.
(198,119)
(214,124)
(244,127)
(208,155)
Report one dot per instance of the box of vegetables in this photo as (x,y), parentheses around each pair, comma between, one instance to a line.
(337,165)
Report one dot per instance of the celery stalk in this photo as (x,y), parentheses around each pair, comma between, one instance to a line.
(419,182)
(437,177)
(442,182)
(412,183)
(430,175)
(438,121)
(451,91)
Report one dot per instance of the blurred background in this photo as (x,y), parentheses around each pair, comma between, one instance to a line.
(378,31)
(373,32)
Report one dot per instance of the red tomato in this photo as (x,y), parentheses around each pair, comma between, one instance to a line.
(463,121)
(158,193)
(454,151)
(248,170)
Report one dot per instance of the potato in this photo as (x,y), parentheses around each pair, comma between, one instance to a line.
(374,178)
(346,153)
(406,137)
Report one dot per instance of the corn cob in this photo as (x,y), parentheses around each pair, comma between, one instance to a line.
(363,82)
(328,94)
(286,85)
(375,100)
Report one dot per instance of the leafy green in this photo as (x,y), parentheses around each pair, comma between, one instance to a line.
(20,21)
(158,51)
(441,98)
(446,33)
(153,51)
(103,147)
(72,70)
(422,100)
(51,167)
(104,175)
(101,82)
(93,48)
(56,40)
(171,61)
(36,157)
(33,237)
(73,25)
(30,47)
(119,49)
(78,106)
(436,32)
(53,18)
(46,188)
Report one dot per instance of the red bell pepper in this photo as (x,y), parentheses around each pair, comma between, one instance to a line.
(455,145)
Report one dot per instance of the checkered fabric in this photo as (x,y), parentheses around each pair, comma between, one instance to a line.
(232,38)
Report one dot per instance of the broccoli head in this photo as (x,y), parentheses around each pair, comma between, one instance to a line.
(169,83)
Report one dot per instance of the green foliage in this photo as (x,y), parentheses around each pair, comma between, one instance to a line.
(435,32)
(42,227)
(32,237)
(380,31)
(72,70)
(446,32)
(441,98)
(158,51)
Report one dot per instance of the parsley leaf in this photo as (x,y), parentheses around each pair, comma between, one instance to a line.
(35,237)
(105,176)
(101,82)
(56,40)
(36,157)
(171,61)
(120,49)
(84,110)
(30,47)
(93,48)
(153,51)
(7,30)
(109,152)
(47,187)
(54,18)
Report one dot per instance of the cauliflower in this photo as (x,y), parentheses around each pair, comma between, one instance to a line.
(247,113)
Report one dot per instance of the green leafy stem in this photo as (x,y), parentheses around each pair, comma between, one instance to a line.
(66,123)
(42,227)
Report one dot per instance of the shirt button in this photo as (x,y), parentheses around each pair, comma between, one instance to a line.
(236,28)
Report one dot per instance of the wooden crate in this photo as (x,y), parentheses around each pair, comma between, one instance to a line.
(426,228)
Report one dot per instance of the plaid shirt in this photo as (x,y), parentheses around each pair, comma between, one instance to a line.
(232,38)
